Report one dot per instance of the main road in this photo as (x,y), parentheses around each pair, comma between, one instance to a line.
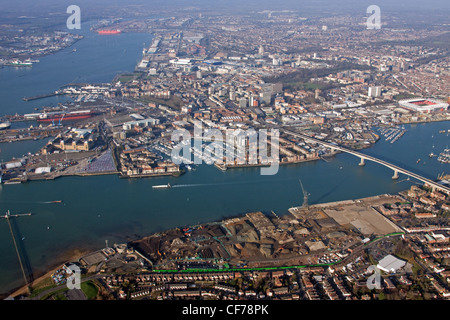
(434,185)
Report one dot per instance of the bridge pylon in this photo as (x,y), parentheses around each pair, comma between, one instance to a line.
(362,163)
(395,176)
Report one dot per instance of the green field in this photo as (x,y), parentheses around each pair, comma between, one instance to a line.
(89,289)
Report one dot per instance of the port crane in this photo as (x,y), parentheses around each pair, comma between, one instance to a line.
(59,122)
(305,195)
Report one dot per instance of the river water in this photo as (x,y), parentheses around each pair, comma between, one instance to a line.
(100,208)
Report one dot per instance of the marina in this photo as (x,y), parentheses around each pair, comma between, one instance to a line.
(393,134)
(444,156)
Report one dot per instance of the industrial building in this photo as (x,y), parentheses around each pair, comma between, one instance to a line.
(390,264)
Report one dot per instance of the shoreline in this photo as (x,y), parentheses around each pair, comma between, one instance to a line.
(73,254)
(225,167)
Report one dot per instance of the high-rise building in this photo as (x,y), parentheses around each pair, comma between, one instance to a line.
(374,92)
(243,103)
(266,97)
(253,102)
(261,50)
(277,62)
(317,93)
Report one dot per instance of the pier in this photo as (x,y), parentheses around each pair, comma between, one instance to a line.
(56,93)
(8,217)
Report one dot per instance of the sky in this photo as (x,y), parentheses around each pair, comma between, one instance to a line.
(50,13)
(337,5)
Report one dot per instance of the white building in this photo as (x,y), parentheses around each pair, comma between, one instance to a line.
(374,92)
(145,122)
(41,170)
(390,264)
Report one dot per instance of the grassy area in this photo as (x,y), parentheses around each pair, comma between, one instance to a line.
(57,295)
(43,285)
(402,96)
(89,289)
(126,77)
(173,102)
(313,86)
(308,86)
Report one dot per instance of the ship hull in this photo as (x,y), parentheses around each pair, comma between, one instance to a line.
(5,126)
(63,119)
(106,32)
(65,116)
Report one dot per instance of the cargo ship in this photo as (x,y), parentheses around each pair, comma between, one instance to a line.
(65,116)
(108,31)
(163,186)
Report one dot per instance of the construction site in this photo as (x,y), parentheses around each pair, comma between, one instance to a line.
(307,235)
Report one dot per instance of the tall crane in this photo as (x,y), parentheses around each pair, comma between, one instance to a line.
(305,195)
(59,123)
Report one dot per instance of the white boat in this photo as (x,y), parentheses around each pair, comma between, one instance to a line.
(162,186)
(5,125)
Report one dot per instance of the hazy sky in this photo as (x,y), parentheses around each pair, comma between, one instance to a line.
(96,7)
(19,5)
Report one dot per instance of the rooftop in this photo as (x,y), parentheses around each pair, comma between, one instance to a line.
(390,264)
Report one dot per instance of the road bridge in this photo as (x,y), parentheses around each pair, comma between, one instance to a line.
(334,147)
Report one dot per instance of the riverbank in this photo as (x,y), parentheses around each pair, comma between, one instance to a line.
(43,278)
(225,167)
(371,219)
(297,248)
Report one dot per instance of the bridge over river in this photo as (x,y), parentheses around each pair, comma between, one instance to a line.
(334,147)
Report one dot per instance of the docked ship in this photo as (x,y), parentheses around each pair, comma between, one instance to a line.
(65,116)
(18,63)
(103,32)
(5,125)
(162,186)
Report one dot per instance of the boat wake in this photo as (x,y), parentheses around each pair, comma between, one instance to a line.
(193,185)
(32,202)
